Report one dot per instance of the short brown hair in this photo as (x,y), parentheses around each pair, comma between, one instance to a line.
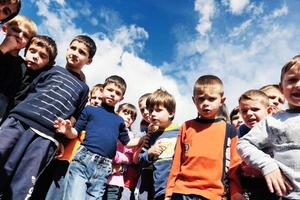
(233,113)
(161,97)
(88,41)
(255,95)
(127,107)
(294,61)
(45,42)
(270,86)
(23,20)
(118,81)
(96,87)
(208,81)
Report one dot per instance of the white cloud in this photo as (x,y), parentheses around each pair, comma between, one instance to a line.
(236,6)
(240,29)
(280,12)
(206,10)
(116,54)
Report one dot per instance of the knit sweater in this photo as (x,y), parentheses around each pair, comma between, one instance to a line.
(279,133)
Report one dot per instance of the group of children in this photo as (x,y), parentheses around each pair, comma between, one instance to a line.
(60,141)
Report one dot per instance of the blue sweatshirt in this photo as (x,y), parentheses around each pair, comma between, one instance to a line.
(103,129)
(56,92)
(161,165)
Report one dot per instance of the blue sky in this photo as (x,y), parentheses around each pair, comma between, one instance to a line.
(170,43)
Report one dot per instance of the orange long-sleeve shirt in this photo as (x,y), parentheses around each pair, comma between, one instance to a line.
(205,160)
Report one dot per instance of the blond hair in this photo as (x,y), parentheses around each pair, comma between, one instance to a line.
(208,82)
(28,23)
(255,95)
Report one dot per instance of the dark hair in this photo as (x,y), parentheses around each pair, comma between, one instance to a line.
(12,15)
(127,107)
(45,42)
(89,42)
(118,81)
(233,113)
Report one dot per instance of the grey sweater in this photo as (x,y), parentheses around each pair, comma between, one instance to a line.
(280,133)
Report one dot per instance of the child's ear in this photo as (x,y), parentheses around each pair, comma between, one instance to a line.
(89,61)
(4,28)
(171,115)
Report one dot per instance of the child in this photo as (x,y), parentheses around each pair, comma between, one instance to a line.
(205,160)
(279,133)
(9,9)
(235,118)
(276,97)
(29,140)
(254,106)
(123,157)
(161,107)
(40,55)
(95,97)
(18,31)
(88,171)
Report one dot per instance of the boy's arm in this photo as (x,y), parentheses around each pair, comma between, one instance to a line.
(235,161)
(9,44)
(176,163)
(249,148)
(65,127)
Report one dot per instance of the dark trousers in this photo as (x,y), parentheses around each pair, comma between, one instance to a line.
(113,192)
(23,155)
(176,196)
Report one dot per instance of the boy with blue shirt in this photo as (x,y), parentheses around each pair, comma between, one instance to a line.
(28,139)
(161,106)
(92,164)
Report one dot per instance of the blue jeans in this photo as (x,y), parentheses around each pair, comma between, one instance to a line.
(87,175)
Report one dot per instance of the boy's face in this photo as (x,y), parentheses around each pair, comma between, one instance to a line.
(77,55)
(276,98)
(6,9)
(208,103)
(20,33)
(112,94)
(144,111)
(237,121)
(36,57)
(253,112)
(160,116)
(96,98)
(128,119)
(290,87)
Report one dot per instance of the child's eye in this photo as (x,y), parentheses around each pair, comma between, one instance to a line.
(82,52)
(211,99)
(255,109)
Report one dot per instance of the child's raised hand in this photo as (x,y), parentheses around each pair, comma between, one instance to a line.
(278,183)
(156,150)
(62,126)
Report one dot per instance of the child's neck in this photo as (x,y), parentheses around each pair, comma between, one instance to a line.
(76,70)
(161,128)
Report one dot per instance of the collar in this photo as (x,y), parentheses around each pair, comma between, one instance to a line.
(207,121)
(108,108)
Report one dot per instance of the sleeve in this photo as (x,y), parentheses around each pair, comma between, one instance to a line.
(123,155)
(250,148)
(235,161)
(82,102)
(177,160)
(81,123)
(123,133)
(144,158)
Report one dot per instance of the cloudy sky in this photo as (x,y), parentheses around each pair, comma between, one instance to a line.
(170,43)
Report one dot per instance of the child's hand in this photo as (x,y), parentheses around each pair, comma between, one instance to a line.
(9,43)
(278,183)
(62,126)
(156,150)
(116,168)
(60,150)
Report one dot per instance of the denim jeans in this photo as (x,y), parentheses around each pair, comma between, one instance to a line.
(87,175)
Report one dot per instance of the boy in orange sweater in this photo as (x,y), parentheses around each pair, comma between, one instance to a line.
(205,160)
